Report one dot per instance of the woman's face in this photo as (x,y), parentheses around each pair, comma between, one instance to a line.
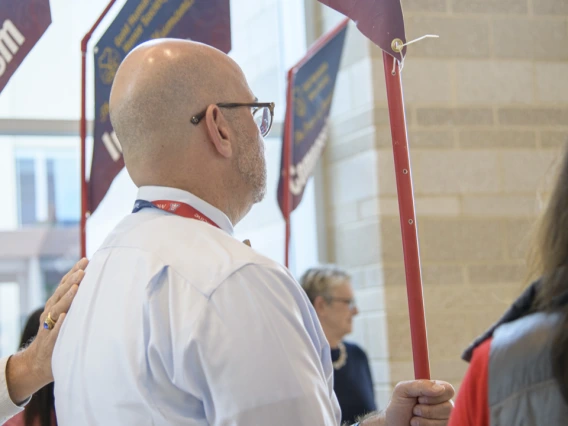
(337,312)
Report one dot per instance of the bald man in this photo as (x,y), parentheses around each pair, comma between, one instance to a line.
(177,322)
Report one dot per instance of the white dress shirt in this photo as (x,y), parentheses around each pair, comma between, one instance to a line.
(179,323)
(7,407)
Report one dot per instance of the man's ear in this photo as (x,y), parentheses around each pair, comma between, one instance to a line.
(218,131)
(319,304)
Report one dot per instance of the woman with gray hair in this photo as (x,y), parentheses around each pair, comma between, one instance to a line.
(329,289)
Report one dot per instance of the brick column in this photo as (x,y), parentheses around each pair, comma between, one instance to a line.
(487,109)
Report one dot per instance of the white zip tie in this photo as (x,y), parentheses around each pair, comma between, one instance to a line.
(397,47)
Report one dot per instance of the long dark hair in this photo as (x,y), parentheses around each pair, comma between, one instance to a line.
(42,404)
(549,261)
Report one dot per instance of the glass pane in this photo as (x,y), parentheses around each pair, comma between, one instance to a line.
(25,169)
(262,119)
(9,318)
(265,120)
(51,210)
(67,190)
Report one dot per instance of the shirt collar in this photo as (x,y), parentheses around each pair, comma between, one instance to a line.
(153,193)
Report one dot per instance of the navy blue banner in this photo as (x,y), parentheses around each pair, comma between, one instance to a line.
(205,21)
(312,86)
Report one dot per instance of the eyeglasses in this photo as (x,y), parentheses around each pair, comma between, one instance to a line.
(262,112)
(350,302)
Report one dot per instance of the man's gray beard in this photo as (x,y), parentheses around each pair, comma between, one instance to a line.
(261,193)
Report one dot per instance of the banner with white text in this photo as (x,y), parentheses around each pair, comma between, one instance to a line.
(22,23)
(138,21)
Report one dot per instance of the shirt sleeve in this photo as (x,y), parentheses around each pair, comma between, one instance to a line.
(256,357)
(472,403)
(7,407)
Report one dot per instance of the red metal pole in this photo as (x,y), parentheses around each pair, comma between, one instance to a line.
(84,185)
(408,224)
(287,161)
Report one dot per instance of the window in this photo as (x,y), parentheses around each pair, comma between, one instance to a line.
(25,177)
(9,317)
(48,186)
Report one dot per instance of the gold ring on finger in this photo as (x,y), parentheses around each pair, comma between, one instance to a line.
(49,323)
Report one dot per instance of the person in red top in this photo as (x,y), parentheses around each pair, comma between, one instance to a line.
(471,408)
(518,373)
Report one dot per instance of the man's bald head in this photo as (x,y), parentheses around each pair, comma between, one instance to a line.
(157,89)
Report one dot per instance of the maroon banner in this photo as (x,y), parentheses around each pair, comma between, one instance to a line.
(380,20)
(139,21)
(22,23)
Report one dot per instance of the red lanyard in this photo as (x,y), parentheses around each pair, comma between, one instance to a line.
(175,207)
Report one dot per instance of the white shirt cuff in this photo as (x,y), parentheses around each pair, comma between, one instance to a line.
(7,406)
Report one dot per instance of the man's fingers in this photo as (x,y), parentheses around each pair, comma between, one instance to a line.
(418,421)
(447,395)
(55,331)
(424,388)
(63,305)
(66,287)
(81,264)
(435,412)
(63,288)
(73,279)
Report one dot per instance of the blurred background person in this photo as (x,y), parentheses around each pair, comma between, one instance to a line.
(518,373)
(329,289)
(40,411)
